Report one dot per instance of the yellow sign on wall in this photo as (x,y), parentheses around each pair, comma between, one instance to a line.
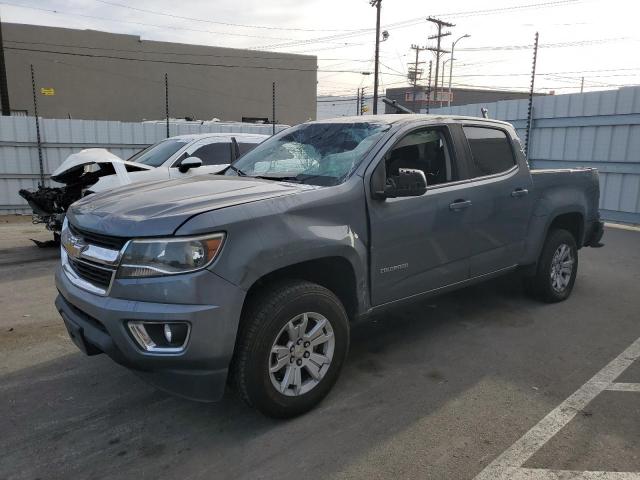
(49,92)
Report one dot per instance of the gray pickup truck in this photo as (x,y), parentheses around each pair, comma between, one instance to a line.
(254,276)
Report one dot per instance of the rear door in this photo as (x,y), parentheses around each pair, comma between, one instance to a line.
(501,197)
(419,244)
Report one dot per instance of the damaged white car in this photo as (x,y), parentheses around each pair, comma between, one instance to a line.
(96,170)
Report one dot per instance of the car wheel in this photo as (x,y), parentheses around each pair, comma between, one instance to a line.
(557,268)
(292,342)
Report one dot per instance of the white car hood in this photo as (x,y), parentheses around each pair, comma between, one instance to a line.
(74,166)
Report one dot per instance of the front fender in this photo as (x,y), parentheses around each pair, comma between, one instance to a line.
(272,234)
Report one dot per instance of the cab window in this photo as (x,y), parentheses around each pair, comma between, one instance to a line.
(490,150)
(425,149)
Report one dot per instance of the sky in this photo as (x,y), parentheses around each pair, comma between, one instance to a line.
(594,39)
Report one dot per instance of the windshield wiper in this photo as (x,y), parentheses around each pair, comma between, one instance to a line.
(238,171)
(283,178)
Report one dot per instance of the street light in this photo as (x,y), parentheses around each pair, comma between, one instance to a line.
(453,46)
(444,69)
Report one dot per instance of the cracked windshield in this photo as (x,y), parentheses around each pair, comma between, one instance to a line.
(317,153)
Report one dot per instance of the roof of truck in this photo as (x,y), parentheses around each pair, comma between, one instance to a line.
(398,118)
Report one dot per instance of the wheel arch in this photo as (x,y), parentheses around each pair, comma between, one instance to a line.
(336,273)
(570,219)
(573,222)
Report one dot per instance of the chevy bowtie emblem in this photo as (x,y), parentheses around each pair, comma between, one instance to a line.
(74,245)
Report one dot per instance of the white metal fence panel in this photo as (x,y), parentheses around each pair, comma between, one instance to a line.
(594,129)
(19,162)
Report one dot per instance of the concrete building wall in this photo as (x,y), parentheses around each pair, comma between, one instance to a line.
(332,106)
(93,80)
(460,96)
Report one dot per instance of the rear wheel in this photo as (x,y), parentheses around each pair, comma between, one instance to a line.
(291,346)
(557,268)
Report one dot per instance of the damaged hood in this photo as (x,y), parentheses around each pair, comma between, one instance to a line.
(159,208)
(106,163)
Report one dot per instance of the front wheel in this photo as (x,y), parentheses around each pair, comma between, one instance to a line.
(291,346)
(557,268)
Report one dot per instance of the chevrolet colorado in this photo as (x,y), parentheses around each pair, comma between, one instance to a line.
(254,275)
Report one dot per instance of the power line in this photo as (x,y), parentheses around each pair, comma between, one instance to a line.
(220,65)
(250,57)
(576,43)
(419,20)
(95,17)
(229,24)
(298,42)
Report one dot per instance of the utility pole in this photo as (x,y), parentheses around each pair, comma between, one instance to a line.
(530,112)
(429,86)
(35,113)
(377,4)
(582,85)
(166,101)
(4,89)
(414,72)
(358,102)
(438,51)
(453,46)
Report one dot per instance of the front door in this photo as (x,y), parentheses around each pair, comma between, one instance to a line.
(419,244)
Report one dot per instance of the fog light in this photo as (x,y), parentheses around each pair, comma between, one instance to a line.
(160,337)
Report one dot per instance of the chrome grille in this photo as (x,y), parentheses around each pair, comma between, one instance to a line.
(90,260)
(97,275)
(106,241)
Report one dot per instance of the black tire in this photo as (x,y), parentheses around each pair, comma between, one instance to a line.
(265,316)
(541,285)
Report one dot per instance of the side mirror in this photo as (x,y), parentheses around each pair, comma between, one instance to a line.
(189,163)
(408,183)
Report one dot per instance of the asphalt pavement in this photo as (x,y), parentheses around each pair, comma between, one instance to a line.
(452,388)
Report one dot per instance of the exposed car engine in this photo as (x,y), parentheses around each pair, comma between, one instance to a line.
(76,174)
(49,204)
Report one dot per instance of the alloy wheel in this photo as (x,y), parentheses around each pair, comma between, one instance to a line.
(301,354)
(561,268)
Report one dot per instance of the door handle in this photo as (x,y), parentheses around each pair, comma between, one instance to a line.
(519,192)
(459,205)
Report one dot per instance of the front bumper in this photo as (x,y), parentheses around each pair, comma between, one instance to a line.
(98,324)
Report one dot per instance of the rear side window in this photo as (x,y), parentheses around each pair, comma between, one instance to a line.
(491,151)
(218,153)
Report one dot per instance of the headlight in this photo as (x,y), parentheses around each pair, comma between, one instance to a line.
(168,256)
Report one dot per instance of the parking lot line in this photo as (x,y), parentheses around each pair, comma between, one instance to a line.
(624,387)
(519,473)
(509,464)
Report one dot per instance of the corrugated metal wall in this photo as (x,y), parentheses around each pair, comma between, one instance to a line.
(595,129)
(19,164)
